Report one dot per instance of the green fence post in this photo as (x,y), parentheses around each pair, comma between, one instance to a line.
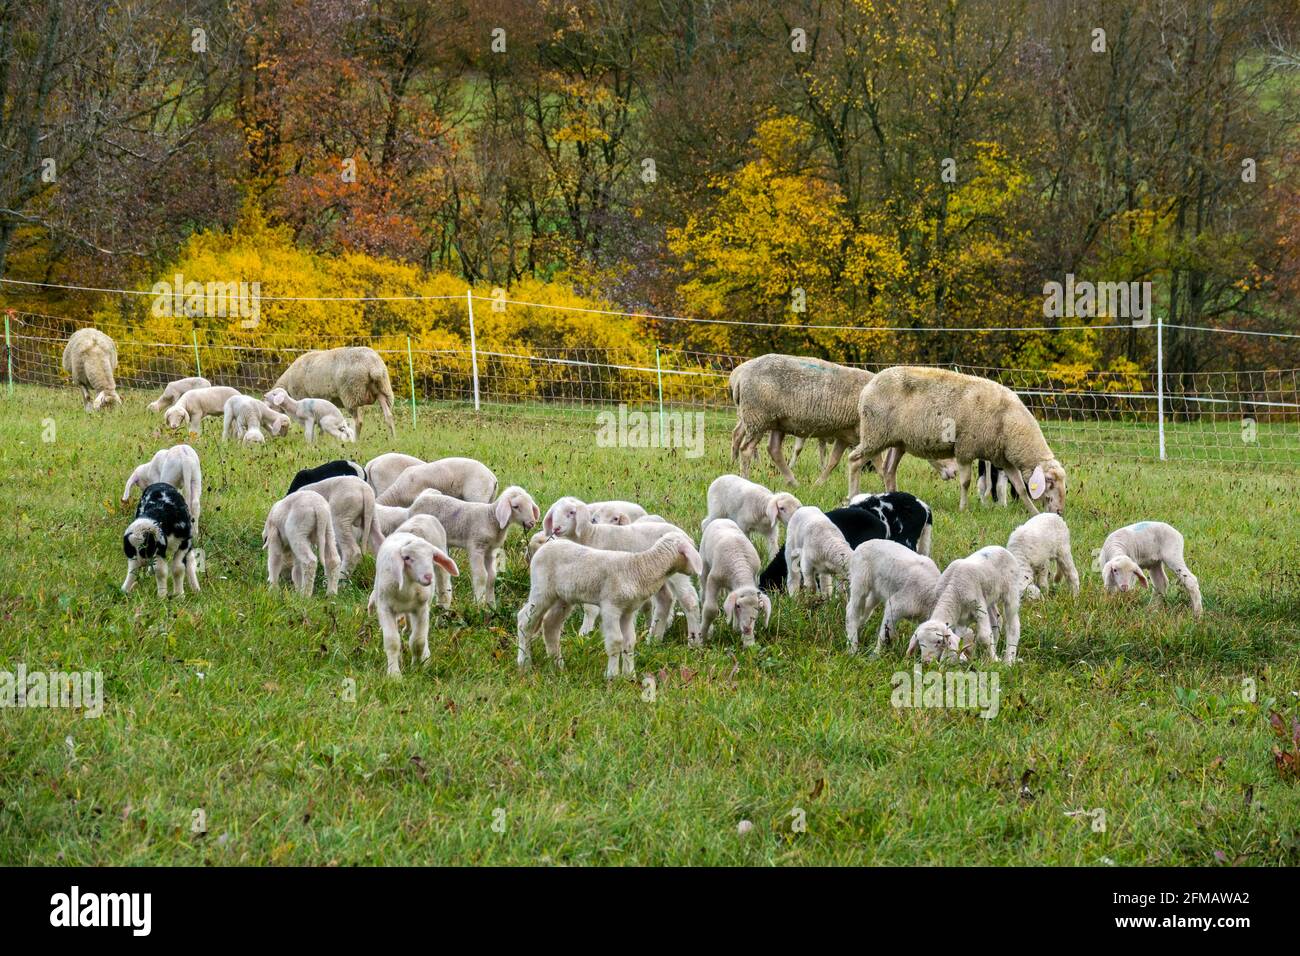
(9,356)
(659,373)
(410,364)
(198,366)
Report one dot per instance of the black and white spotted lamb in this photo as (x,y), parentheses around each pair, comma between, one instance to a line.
(160,536)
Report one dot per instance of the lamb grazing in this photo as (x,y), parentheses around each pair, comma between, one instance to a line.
(888,573)
(480,528)
(1039,543)
(175,390)
(245,417)
(352,505)
(354,377)
(992,482)
(983,589)
(729,567)
(431,530)
(339,468)
(161,535)
(1147,546)
(565,574)
(615,512)
(294,524)
(404,575)
(816,551)
(935,413)
(462,478)
(382,471)
(89,358)
(177,466)
(313,413)
(755,509)
(907,519)
(855,523)
(197,404)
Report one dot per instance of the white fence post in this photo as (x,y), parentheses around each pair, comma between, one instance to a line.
(1160,381)
(473,345)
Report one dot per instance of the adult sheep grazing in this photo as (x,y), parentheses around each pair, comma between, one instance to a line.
(934,413)
(89,358)
(354,377)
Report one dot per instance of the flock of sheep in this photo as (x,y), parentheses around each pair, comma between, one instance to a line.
(614,558)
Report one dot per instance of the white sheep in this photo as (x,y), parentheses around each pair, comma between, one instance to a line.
(815,551)
(886,572)
(615,512)
(480,528)
(982,589)
(175,390)
(352,505)
(244,417)
(462,478)
(565,574)
(1147,546)
(178,466)
(294,524)
(1040,543)
(751,506)
(353,376)
(431,530)
(313,413)
(89,358)
(197,404)
(404,576)
(729,567)
(382,471)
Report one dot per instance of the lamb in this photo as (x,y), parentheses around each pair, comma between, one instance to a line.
(462,478)
(177,466)
(1147,546)
(888,573)
(816,551)
(161,535)
(935,413)
(331,469)
(90,358)
(352,505)
(855,523)
(480,528)
(245,416)
(382,471)
(354,377)
(729,566)
(404,575)
(313,413)
(197,404)
(1039,543)
(981,589)
(175,390)
(565,573)
(907,519)
(294,524)
(431,530)
(616,512)
(751,506)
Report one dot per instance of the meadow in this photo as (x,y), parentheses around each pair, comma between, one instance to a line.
(245,726)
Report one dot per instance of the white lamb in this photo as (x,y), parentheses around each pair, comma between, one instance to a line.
(1040,543)
(565,574)
(245,417)
(982,589)
(404,575)
(175,390)
(1147,546)
(730,567)
(615,512)
(197,404)
(382,471)
(293,525)
(178,466)
(462,478)
(313,413)
(751,506)
(886,572)
(816,552)
(352,504)
(431,530)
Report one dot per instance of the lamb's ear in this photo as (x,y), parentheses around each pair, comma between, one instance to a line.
(773,510)
(1108,576)
(1037,483)
(729,608)
(502,511)
(767,608)
(692,558)
(442,560)
(161,538)
(912,646)
(1142,577)
(548,525)
(394,565)
(537,512)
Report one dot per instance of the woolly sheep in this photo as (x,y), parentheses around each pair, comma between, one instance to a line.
(888,573)
(1147,546)
(815,551)
(197,404)
(1040,543)
(935,413)
(983,589)
(565,574)
(404,576)
(751,506)
(354,377)
(177,466)
(89,358)
(431,530)
(352,505)
(294,524)
(313,413)
(462,478)
(244,417)
(729,567)
(175,390)
(382,471)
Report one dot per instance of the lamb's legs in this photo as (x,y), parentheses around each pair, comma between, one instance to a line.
(176,571)
(490,577)
(888,625)
(1011,628)
(794,573)
(963,482)
(682,589)
(392,640)
(442,579)
(710,611)
(419,639)
(552,624)
(628,656)
(590,616)
(661,614)
(984,632)
(526,621)
(1188,580)
(612,628)
(304,565)
(858,610)
(309,430)
(774,441)
(1159,580)
(333,571)
(1065,568)
(478,576)
(133,566)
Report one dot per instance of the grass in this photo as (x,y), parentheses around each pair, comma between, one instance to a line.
(235,702)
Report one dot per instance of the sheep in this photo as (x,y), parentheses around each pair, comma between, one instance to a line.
(197,404)
(462,478)
(331,469)
(313,413)
(1039,543)
(175,390)
(855,523)
(245,416)
(293,525)
(751,506)
(177,466)
(352,505)
(431,530)
(615,512)
(354,377)
(935,413)
(382,471)
(89,358)
(816,551)
(404,575)
(565,573)
(907,519)
(983,589)
(1147,546)
(888,573)
(161,535)
(729,567)
(480,528)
